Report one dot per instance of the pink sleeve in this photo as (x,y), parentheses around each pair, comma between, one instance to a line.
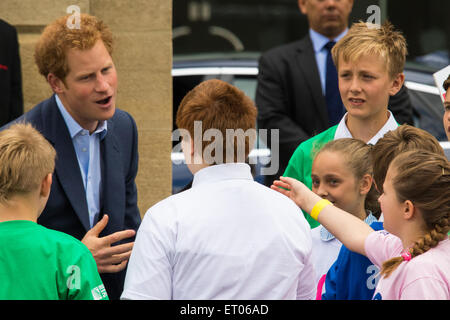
(381,246)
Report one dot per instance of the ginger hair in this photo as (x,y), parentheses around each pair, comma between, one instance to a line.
(222,106)
(424,179)
(26,158)
(51,48)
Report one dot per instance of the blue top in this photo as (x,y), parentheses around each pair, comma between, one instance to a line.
(352,276)
(87,148)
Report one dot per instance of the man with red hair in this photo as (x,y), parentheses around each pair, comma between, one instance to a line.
(93,195)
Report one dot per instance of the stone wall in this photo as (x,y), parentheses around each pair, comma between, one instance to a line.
(143,57)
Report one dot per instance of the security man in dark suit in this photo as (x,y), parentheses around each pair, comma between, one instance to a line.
(297,89)
(11,98)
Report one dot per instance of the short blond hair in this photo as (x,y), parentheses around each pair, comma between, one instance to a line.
(26,158)
(51,48)
(364,38)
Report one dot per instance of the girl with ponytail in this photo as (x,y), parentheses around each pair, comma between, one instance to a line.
(414,250)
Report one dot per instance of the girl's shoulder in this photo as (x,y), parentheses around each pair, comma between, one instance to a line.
(381,246)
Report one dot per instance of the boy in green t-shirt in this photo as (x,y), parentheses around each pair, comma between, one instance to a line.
(37,263)
(369,61)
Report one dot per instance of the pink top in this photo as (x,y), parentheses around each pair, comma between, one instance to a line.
(426,276)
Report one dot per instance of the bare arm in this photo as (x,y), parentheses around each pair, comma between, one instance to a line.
(351,231)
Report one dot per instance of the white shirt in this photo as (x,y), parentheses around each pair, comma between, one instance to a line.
(343,132)
(228,237)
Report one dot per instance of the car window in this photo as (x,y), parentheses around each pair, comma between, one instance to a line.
(246,84)
(183,84)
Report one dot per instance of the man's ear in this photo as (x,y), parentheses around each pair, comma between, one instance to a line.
(46,186)
(56,83)
(302,6)
(397,84)
(365,184)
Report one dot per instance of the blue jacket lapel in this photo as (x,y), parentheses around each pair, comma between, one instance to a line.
(67,170)
(113,192)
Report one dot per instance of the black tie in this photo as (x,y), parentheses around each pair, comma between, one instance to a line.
(332,95)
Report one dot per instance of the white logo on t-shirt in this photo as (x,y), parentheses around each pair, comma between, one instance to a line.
(99,292)
(372,281)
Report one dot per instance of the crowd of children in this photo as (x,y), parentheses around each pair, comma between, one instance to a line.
(376,196)
(370,63)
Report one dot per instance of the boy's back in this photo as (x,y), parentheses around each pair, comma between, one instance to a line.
(228,237)
(37,263)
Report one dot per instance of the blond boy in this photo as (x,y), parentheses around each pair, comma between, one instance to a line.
(37,263)
(370,61)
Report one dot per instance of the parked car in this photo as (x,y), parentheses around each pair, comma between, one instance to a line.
(241,70)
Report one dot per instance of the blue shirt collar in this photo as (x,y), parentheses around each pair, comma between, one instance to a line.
(325,235)
(319,40)
(74,127)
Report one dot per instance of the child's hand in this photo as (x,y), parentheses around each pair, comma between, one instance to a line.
(296,191)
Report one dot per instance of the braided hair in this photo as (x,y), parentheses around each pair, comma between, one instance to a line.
(423,177)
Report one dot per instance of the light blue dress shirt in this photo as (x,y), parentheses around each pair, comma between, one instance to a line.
(87,149)
(319,41)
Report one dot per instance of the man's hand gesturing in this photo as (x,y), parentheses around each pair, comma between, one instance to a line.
(109,259)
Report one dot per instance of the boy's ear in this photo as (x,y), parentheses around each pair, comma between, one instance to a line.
(397,84)
(55,83)
(366,184)
(46,186)
(192,147)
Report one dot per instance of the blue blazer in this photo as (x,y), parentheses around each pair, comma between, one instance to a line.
(66,209)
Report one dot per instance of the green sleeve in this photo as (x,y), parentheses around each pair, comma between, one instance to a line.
(80,277)
(300,164)
(299,167)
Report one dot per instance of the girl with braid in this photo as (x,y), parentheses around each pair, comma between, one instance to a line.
(413,252)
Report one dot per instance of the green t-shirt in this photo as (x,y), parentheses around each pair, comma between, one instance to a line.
(300,164)
(37,263)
